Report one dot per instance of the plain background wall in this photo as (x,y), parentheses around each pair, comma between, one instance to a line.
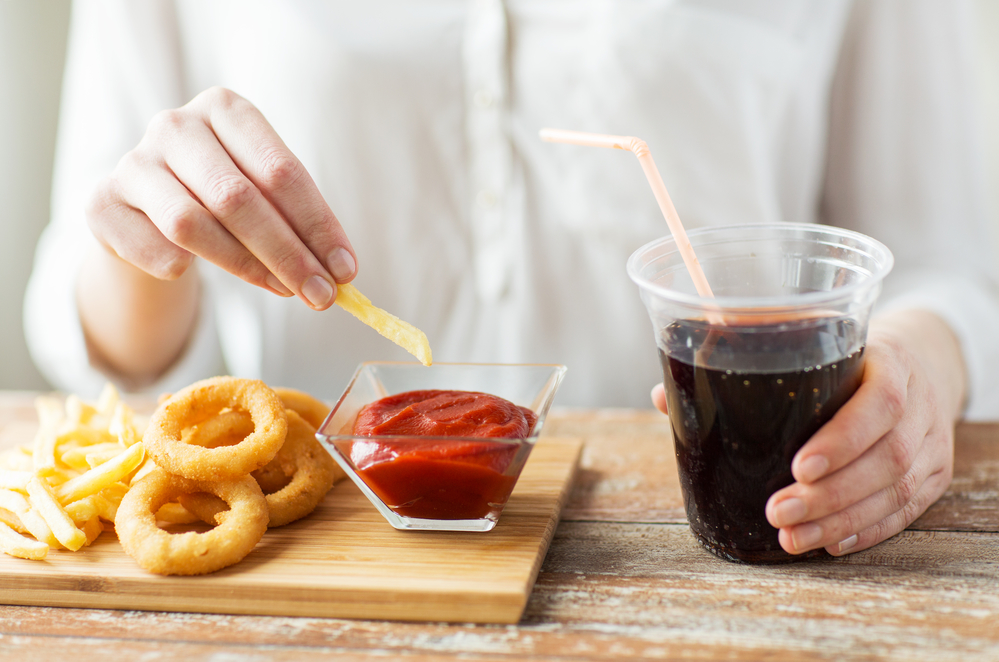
(988,81)
(32,50)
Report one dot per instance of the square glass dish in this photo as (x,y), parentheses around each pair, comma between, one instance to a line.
(436,482)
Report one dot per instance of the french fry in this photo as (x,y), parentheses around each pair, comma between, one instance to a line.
(30,519)
(14,544)
(146,467)
(76,458)
(78,412)
(401,333)
(114,492)
(91,529)
(97,458)
(12,479)
(50,417)
(82,435)
(59,476)
(122,425)
(100,477)
(112,498)
(63,528)
(17,459)
(12,520)
(108,400)
(86,508)
(75,473)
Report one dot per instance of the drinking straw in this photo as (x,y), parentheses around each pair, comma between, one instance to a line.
(641,150)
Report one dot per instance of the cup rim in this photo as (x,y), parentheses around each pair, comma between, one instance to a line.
(881,254)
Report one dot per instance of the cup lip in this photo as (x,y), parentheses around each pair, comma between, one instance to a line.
(881,253)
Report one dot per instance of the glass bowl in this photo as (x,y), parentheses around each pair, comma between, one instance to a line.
(438,483)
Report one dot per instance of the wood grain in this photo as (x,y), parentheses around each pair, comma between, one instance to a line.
(617,591)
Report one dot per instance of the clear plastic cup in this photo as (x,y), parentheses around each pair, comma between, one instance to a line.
(752,374)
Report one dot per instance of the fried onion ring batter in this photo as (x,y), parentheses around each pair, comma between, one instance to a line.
(303,460)
(190,553)
(164,438)
(313,410)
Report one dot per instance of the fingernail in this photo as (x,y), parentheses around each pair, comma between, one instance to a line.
(846,545)
(812,468)
(805,536)
(278,286)
(789,511)
(317,291)
(341,264)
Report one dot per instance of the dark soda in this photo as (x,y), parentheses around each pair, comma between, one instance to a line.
(742,400)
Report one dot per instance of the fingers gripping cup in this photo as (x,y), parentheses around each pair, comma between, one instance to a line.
(753,373)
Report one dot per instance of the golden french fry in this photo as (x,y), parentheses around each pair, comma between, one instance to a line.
(17,459)
(107,400)
(100,477)
(59,476)
(86,508)
(122,425)
(78,412)
(50,417)
(401,333)
(30,519)
(12,520)
(11,479)
(75,472)
(146,467)
(82,435)
(112,498)
(13,543)
(115,491)
(91,529)
(76,457)
(97,458)
(43,500)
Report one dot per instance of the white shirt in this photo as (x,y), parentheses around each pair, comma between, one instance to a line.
(419,122)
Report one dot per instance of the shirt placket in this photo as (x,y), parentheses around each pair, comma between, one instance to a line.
(486,69)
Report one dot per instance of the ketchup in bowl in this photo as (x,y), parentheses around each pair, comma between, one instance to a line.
(418,473)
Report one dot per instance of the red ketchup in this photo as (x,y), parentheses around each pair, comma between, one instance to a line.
(432,478)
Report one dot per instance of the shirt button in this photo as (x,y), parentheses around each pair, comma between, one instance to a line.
(483,99)
(486,199)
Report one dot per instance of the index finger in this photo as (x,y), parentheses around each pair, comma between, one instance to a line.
(873,411)
(262,156)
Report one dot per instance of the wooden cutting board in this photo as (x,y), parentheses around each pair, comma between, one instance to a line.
(343,560)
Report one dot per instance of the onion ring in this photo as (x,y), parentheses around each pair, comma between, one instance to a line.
(305,468)
(191,553)
(227,428)
(197,403)
(174,513)
(313,410)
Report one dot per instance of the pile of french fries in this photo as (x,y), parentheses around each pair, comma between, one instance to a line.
(64,489)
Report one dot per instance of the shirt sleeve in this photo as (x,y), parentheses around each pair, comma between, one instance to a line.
(905,166)
(123,66)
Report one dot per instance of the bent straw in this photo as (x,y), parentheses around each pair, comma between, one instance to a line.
(641,150)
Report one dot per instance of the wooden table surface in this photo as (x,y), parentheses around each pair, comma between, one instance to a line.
(624,579)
